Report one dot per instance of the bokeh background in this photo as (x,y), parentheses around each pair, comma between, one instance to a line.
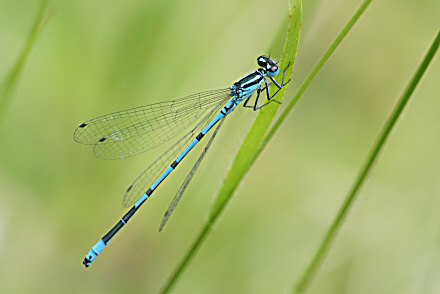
(95,57)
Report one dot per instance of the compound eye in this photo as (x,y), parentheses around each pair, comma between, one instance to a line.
(262,61)
(273,68)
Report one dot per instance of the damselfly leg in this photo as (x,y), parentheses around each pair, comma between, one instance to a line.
(266,89)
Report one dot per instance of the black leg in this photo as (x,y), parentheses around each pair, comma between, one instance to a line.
(282,81)
(256,99)
(268,96)
(277,84)
(284,76)
(279,89)
(246,102)
(267,91)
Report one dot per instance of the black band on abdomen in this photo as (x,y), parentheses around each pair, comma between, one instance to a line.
(200,136)
(112,232)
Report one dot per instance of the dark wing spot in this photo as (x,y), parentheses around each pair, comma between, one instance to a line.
(129,188)
(83,125)
(102,139)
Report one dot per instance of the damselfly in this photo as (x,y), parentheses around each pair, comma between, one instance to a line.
(133,131)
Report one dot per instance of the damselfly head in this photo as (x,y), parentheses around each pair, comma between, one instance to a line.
(269,65)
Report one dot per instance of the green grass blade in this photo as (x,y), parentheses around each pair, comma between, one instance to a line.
(353,20)
(8,85)
(377,147)
(227,190)
(249,148)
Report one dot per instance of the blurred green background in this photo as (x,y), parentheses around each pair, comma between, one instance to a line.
(95,57)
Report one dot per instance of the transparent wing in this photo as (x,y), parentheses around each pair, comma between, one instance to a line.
(147,178)
(133,131)
(188,179)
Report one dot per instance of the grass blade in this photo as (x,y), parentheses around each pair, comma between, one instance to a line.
(10,81)
(350,24)
(248,150)
(377,147)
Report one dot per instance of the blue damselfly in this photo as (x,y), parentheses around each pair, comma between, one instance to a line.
(133,131)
